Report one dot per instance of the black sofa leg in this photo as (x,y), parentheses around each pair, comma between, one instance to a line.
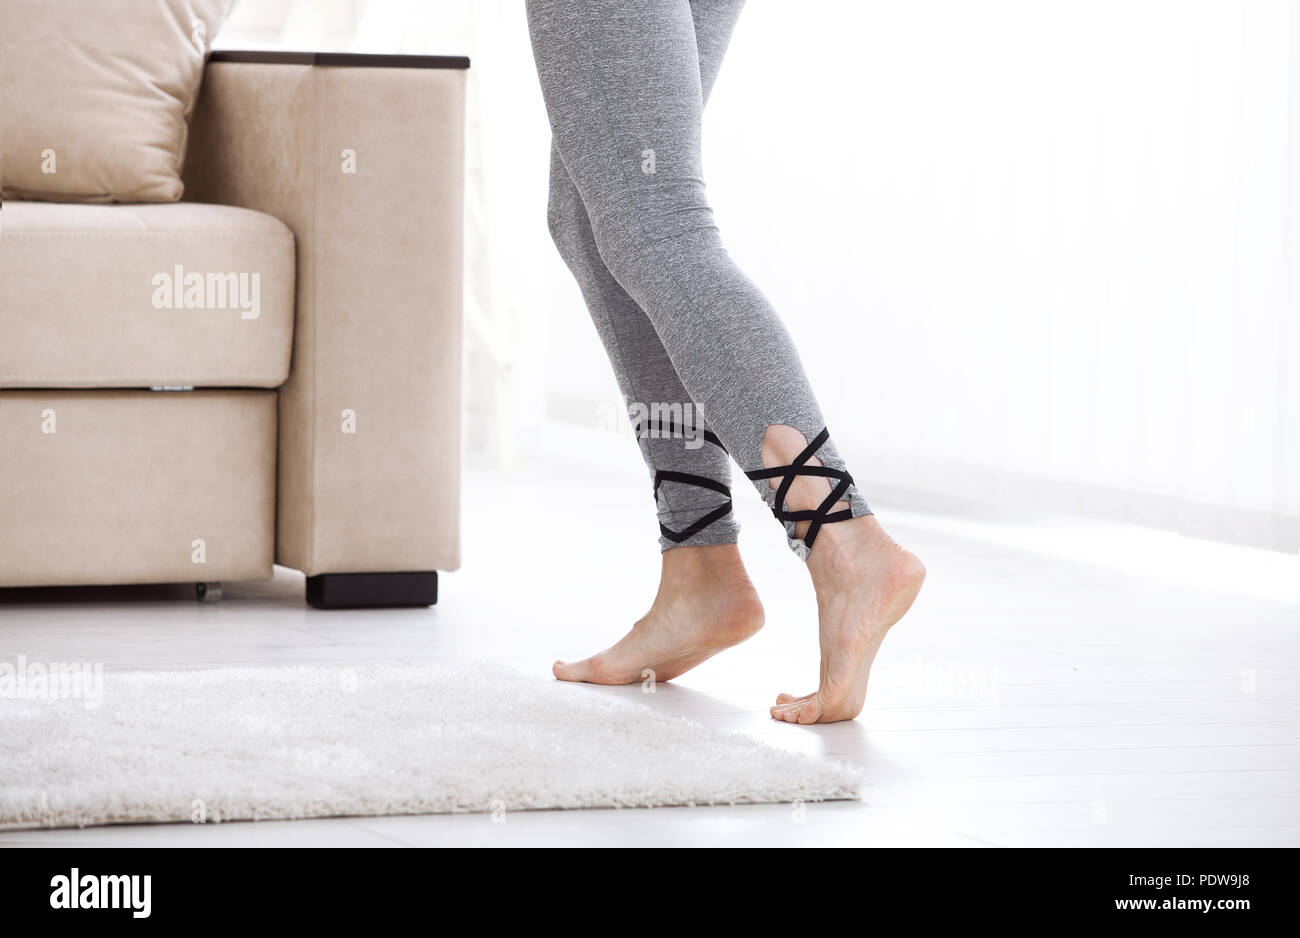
(372,590)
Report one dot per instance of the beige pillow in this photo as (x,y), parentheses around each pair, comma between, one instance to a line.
(95,95)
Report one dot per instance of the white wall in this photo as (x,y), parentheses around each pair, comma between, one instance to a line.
(1038,253)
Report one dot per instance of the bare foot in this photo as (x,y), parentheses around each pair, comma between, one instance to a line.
(705,603)
(865,582)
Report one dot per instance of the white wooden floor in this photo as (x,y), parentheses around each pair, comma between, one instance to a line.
(1057,683)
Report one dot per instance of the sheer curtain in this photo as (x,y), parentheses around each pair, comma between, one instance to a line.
(1035,254)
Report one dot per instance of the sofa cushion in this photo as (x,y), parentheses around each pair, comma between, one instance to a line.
(97,95)
(134,487)
(109,296)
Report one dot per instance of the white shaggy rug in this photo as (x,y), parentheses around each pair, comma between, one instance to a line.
(262,743)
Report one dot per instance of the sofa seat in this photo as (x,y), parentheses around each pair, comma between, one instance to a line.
(140,296)
(102,487)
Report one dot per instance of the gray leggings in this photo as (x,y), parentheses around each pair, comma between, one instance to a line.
(686,331)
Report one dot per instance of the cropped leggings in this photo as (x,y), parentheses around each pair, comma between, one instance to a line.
(702,359)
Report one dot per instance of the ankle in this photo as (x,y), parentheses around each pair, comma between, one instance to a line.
(706,563)
(843,545)
(782,445)
(713,579)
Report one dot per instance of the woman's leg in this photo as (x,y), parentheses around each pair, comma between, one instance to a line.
(622,85)
(690,469)
(706,601)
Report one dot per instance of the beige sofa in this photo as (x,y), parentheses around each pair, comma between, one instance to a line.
(267,371)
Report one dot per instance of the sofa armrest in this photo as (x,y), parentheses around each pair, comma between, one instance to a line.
(362,157)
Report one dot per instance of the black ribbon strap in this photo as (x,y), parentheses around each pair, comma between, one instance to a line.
(820,515)
(689,478)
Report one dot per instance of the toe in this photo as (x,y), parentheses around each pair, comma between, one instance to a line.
(809,712)
(577,671)
(790,698)
(802,710)
(780,710)
(788,712)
